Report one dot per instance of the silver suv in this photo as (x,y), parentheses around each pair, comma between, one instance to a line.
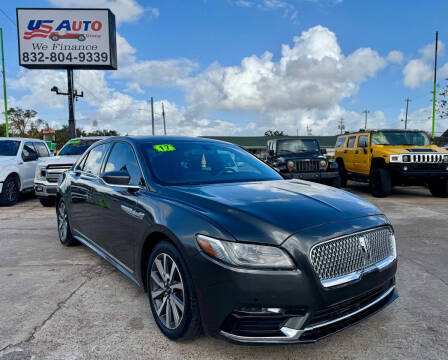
(48,171)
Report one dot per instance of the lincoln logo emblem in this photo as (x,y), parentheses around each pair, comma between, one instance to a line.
(363,246)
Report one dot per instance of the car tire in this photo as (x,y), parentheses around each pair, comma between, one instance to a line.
(336,182)
(10,191)
(64,233)
(47,202)
(342,174)
(439,188)
(174,291)
(380,183)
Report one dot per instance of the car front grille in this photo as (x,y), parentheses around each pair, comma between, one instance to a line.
(352,254)
(53,172)
(307,165)
(426,158)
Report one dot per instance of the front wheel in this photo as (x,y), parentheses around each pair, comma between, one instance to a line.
(342,174)
(10,192)
(65,235)
(439,188)
(380,183)
(171,294)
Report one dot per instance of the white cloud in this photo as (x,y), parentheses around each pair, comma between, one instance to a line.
(395,57)
(124,10)
(288,8)
(421,70)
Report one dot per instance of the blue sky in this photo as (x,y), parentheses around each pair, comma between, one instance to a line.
(240,67)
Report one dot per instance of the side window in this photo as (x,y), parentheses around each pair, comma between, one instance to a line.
(94,159)
(28,149)
(340,142)
(122,158)
(41,149)
(363,141)
(351,142)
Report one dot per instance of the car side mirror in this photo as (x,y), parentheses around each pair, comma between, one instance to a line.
(30,157)
(120,178)
(323,151)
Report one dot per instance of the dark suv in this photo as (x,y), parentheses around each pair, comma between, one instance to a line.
(302,159)
(221,242)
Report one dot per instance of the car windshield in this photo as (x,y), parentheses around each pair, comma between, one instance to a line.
(400,137)
(76,147)
(297,146)
(9,147)
(195,163)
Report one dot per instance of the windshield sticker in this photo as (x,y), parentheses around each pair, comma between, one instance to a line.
(203,162)
(379,137)
(164,147)
(74,142)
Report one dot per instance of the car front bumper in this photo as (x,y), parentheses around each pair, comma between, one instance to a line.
(312,175)
(45,189)
(419,172)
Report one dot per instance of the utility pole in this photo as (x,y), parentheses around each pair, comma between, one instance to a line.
(435,88)
(4,86)
(341,125)
(406,117)
(152,115)
(309,132)
(72,95)
(164,122)
(365,121)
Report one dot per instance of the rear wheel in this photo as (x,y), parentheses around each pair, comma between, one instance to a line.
(10,191)
(171,294)
(65,235)
(439,188)
(47,202)
(380,183)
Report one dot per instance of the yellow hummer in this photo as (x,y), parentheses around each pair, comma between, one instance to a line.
(387,158)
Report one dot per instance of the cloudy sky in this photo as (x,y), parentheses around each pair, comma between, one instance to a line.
(240,67)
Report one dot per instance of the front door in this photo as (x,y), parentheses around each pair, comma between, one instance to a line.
(349,152)
(28,165)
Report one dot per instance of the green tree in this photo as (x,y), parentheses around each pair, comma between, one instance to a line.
(24,123)
(274,133)
(2,129)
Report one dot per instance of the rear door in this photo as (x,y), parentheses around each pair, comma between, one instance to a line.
(83,211)
(361,158)
(349,152)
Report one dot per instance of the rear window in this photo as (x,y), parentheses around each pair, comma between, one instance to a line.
(351,142)
(340,142)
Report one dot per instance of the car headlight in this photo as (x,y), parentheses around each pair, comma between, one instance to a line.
(323,163)
(445,158)
(245,255)
(290,164)
(40,173)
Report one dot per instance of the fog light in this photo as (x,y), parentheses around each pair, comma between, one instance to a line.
(405,168)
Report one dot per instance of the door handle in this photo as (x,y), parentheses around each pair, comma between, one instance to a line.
(134,213)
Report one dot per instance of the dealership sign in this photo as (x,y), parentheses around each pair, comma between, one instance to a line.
(67,38)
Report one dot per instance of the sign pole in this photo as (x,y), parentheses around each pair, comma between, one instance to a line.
(71,105)
(4,86)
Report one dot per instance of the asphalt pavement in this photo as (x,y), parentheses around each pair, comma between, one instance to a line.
(68,303)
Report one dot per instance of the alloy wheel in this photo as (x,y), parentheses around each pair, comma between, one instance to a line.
(12,191)
(167,291)
(62,221)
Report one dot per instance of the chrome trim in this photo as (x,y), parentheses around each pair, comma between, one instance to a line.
(293,335)
(356,275)
(134,213)
(377,300)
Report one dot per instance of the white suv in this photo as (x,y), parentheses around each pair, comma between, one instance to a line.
(18,161)
(48,170)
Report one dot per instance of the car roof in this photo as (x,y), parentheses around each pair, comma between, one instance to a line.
(368,131)
(89,138)
(166,139)
(20,139)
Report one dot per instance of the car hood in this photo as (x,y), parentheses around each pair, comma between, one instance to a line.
(64,159)
(271,211)
(404,149)
(286,157)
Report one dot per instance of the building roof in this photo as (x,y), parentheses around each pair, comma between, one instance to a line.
(260,142)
